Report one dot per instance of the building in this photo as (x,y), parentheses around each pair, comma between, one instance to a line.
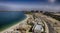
(12,32)
(38,29)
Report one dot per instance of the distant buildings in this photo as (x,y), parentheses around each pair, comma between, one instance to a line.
(33,11)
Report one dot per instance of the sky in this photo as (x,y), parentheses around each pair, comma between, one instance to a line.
(19,5)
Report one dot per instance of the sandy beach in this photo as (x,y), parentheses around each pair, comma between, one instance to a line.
(16,25)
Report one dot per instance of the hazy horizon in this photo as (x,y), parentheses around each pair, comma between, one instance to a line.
(19,5)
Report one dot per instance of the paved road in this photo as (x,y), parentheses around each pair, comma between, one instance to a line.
(51,29)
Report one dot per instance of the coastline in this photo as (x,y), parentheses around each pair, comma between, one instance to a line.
(14,23)
(15,26)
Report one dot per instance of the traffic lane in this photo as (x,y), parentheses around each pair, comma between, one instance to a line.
(51,29)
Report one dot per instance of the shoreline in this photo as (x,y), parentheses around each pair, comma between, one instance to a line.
(15,26)
(6,27)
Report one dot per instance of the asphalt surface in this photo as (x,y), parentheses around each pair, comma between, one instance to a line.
(51,29)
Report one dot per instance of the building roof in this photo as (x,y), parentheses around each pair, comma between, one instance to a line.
(38,27)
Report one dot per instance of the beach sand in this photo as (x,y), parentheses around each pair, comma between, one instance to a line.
(16,25)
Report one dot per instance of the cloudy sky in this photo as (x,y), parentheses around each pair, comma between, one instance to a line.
(18,5)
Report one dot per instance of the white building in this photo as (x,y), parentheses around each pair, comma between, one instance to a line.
(38,29)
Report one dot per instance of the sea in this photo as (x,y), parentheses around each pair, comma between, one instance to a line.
(10,18)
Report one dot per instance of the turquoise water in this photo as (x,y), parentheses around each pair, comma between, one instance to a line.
(9,18)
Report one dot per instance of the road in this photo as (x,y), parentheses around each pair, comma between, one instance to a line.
(51,29)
